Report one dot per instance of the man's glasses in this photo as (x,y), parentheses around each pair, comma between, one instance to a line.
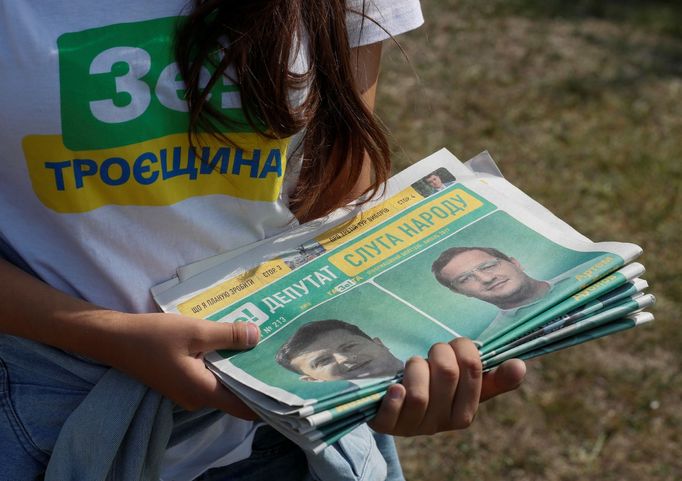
(470,276)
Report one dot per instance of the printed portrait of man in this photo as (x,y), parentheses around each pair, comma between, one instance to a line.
(333,350)
(489,275)
(436,182)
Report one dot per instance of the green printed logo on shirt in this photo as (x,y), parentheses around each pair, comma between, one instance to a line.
(119,85)
(124,129)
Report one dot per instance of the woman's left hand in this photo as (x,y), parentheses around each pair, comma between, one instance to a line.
(442,392)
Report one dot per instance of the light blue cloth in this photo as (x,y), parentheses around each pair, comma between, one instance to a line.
(354,457)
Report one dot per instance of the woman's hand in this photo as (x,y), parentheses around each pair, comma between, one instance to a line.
(442,393)
(165,352)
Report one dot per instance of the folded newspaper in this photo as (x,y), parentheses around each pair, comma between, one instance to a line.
(449,250)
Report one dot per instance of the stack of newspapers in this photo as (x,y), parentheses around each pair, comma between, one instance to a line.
(451,249)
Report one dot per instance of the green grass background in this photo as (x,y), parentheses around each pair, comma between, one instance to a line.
(580,103)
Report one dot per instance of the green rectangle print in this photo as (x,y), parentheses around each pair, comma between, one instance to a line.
(120,85)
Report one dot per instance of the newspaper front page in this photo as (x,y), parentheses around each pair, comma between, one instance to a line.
(449,250)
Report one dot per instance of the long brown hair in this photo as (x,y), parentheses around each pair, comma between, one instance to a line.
(256,39)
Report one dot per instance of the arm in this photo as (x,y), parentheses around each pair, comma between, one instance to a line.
(162,351)
(366,61)
(442,392)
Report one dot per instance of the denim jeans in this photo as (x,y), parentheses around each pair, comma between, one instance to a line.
(33,408)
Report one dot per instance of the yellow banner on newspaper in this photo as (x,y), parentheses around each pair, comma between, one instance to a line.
(404,232)
(369,218)
(232,290)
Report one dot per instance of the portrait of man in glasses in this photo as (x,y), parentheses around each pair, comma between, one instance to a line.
(491,276)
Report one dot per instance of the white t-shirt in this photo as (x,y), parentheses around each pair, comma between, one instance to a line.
(99,192)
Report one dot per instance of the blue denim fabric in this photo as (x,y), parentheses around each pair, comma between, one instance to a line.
(74,420)
(20,457)
(35,403)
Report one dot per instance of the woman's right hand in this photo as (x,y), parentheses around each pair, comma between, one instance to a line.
(165,352)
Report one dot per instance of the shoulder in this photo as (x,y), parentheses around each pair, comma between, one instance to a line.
(371,21)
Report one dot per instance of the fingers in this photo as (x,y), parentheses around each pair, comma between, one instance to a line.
(505,378)
(204,389)
(438,394)
(443,392)
(404,406)
(387,417)
(416,402)
(444,376)
(220,397)
(468,391)
(224,335)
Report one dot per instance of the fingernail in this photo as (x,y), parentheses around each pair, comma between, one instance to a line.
(394,393)
(252,334)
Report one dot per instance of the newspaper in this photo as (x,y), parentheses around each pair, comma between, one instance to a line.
(627,291)
(449,250)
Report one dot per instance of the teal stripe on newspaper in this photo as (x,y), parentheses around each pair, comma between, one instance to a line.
(571,317)
(591,322)
(523,326)
(610,328)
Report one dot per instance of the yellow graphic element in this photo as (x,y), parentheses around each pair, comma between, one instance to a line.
(157,172)
(404,232)
(369,218)
(358,403)
(232,290)
(596,269)
(598,285)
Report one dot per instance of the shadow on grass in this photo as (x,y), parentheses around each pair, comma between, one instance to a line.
(660,56)
(631,64)
(657,16)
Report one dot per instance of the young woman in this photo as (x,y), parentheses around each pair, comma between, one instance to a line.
(141,136)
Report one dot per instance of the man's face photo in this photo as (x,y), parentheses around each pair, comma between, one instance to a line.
(434,181)
(478,274)
(341,354)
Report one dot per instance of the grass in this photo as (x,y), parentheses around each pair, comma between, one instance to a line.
(581,105)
